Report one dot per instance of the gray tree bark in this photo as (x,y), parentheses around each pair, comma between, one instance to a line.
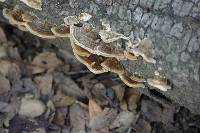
(172,25)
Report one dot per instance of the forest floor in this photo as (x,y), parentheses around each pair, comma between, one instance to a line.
(45,89)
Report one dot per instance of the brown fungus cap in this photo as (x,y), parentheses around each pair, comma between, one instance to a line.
(90,40)
(130,55)
(40,28)
(61,31)
(160,83)
(145,49)
(36,4)
(29,17)
(93,63)
(113,65)
(21,27)
(14,16)
(136,77)
(129,82)
(79,50)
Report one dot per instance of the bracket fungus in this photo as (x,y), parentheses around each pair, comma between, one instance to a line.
(36,4)
(130,82)
(79,50)
(91,41)
(61,30)
(40,28)
(14,16)
(93,63)
(145,49)
(99,51)
(130,55)
(160,83)
(113,65)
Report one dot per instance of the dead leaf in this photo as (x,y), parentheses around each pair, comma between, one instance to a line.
(31,107)
(94,108)
(5,67)
(44,83)
(64,101)
(123,121)
(132,98)
(119,91)
(46,60)
(69,87)
(3,50)
(4,85)
(78,118)
(3,37)
(60,116)
(99,92)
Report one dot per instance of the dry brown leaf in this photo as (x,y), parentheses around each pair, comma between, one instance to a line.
(94,108)
(4,85)
(133,97)
(65,101)
(60,116)
(44,83)
(3,37)
(46,60)
(119,91)
(31,107)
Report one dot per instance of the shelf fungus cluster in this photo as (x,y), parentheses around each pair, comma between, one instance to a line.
(29,22)
(99,51)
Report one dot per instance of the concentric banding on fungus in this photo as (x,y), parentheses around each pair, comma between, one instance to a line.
(91,41)
(36,4)
(14,16)
(130,55)
(113,65)
(61,31)
(129,82)
(79,50)
(93,63)
(136,77)
(159,83)
(29,17)
(40,28)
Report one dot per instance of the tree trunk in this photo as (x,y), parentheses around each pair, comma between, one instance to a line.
(172,25)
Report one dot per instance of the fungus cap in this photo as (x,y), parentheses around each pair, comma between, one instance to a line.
(159,83)
(61,31)
(129,82)
(40,28)
(79,50)
(113,65)
(91,41)
(29,17)
(36,4)
(136,77)
(93,63)
(130,55)
(14,16)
